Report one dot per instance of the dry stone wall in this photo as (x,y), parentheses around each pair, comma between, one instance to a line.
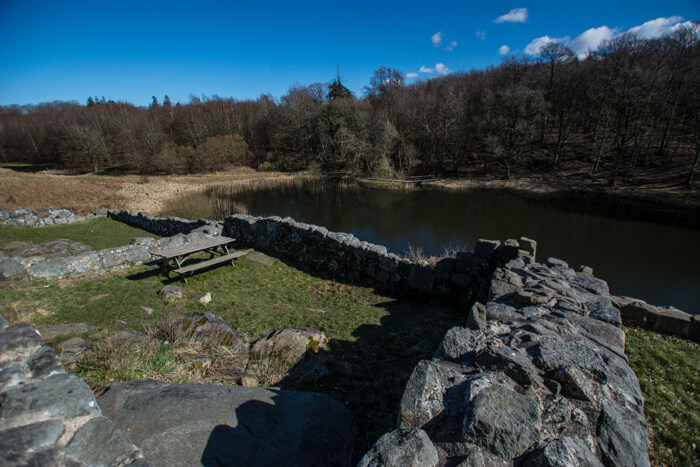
(536,376)
(50,417)
(44,216)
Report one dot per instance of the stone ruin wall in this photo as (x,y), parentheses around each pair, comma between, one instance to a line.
(537,374)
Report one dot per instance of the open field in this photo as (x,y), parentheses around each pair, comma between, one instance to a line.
(88,192)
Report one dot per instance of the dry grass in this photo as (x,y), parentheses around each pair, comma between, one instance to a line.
(416,254)
(79,193)
(89,192)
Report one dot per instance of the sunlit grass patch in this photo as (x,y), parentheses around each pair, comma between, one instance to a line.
(99,233)
(668,369)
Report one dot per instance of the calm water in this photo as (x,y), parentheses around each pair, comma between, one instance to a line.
(656,262)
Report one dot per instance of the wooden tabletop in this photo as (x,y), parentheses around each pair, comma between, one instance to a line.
(189,248)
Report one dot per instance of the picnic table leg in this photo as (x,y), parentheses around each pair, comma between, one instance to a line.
(164,268)
(177,262)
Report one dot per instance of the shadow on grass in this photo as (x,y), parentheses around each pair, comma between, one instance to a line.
(370,373)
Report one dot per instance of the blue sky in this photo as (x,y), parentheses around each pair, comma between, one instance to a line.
(130,51)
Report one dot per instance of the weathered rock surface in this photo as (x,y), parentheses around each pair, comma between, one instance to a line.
(170,292)
(192,424)
(44,216)
(48,417)
(404,447)
(538,377)
(277,351)
(210,329)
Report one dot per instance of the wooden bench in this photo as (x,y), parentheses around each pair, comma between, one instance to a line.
(211,262)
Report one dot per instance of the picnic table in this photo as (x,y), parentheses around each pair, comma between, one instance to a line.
(172,259)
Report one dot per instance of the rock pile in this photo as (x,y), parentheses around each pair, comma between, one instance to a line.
(47,416)
(66,258)
(44,216)
(538,376)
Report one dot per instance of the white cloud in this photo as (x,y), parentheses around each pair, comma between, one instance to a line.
(411,75)
(516,15)
(656,28)
(590,40)
(425,69)
(481,35)
(437,38)
(452,46)
(442,69)
(539,43)
(504,49)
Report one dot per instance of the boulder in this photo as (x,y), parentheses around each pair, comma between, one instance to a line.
(170,292)
(274,354)
(209,328)
(567,451)
(459,343)
(49,333)
(193,424)
(622,435)
(423,397)
(485,248)
(477,317)
(503,421)
(403,447)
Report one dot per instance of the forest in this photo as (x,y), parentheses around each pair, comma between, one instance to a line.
(630,105)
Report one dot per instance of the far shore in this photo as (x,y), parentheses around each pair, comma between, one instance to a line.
(85,193)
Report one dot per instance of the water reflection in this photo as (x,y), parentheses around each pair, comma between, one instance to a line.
(652,261)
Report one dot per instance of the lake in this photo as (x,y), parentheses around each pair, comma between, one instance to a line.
(655,261)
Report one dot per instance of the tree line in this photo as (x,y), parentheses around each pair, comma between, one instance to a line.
(633,103)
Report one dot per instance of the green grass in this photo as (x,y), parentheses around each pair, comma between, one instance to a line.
(668,369)
(99,233)
(375,340)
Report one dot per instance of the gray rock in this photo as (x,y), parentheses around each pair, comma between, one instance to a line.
(479,457)
(422,399)
(100,442)
(276,352)
(10,269)
(509,361)
(49,333)
(459,343)
(72,351)
(12,375)
(409,447)
(500,312)
(19,336)
(421,279)
(192,424)
(485,248)
(622,435)
(502,421)
(477,317)
(4,324)
(170,292)
(529,245)
(554,262)
(568,451)
(51,268)
(30,437)
(59,395)
(576,384)
(209,328)
(44,362)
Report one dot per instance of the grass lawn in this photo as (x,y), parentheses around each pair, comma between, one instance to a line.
(375,340)
(668,369)
(99,233)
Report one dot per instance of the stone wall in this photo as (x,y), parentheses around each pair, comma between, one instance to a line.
(536,376)
(163,226)
(344,256)
(44,216)
(62,258)
(50,417)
